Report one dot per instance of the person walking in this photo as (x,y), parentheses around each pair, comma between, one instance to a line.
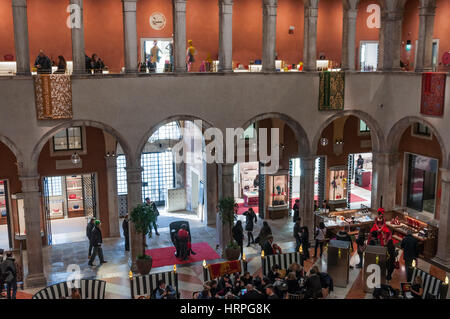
(90,226)
(154,56)
(97,241)
(9,272)
(390,262)
(296,209)
(360,247)
(410,253)
(297,234)
(156,211)
(125,228)
(305,242)
(43,63)
(264,233)
(319,235)
(250,219)
(238,235)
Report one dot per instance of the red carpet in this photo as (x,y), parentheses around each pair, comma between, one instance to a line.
(354,198)
(166,256)
(369,188)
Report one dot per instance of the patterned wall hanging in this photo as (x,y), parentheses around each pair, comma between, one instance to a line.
(331,91)
(433,93)
(53,96)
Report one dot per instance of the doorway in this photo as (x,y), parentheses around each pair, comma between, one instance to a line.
(434,54)
(360,176)
(69,202)
(246,186)
(165,55)
(368,56)
(5,223)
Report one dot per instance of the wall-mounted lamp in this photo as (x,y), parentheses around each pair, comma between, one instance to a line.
(291,29)
(75,158)
(339,141)
(324,141)
(408,45)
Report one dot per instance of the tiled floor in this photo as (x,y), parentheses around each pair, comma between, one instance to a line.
(58,257)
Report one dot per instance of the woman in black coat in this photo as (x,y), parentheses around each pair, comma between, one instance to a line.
(305,241)
(390,262)
(238,235)
(250,218)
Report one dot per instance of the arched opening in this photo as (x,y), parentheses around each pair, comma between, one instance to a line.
(76,164)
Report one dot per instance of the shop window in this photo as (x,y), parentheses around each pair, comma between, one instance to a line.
(421,130)
(54,186)
(170,131)
(121,175)
(363,128)
(68,139)
(157,175)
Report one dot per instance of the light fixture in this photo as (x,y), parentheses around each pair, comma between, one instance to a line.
(414,263)
(76,158)
(108,155)
(408,45)
(446,280)
(204,263)
(175,268)
(324,141)
(262,254)
(130,274)
(244,258)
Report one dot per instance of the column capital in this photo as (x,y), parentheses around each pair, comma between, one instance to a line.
(134,174)
(351,14)
(226,2)
(111,161)
(445,175)
(129,5)
(179,5)
(226,6)
(29,183)
(19,3)
(427,11)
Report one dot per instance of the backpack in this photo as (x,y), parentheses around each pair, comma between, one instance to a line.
(8,271)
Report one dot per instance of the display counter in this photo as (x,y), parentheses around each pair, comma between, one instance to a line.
(277,194)
(353,218)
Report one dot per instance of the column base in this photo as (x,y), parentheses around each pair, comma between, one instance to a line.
(442,262)
(132,71)
(226,71)
(23,73)
(180,70)
(35,280)
(423,70)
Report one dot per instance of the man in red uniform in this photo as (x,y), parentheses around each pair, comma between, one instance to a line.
(384,234)
(184,242)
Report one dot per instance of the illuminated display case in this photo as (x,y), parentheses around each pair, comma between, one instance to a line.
(337,183)
(277,186)
(20,232)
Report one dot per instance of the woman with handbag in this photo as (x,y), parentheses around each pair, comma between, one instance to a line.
(360,247)
(391,260)
(250,219)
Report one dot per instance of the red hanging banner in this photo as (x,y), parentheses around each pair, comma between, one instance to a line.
(433,93)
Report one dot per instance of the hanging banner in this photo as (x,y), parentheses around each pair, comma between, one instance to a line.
(331,91)
(227,267)
(53,96)
(433,93)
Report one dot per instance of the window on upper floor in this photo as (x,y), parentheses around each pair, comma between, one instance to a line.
(423,130)
(68,140)
(170,131)
(363,128)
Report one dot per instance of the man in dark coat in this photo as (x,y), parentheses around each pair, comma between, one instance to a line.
(90,226)
(43,63)
(267,246)
(9,273)
(296,210)
(126,233)
(297,234)
(97,241)
(251,293)
(153,224)
(250,219)
(410,252)
(313,285)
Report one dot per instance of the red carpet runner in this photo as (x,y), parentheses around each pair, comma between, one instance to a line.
(166,256)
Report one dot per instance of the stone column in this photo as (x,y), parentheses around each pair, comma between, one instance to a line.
(310,35)
(179,27)
(32,208)
(349,34)
(130,36)
(390,39)
(77,31)
(226,189)
(424,58)
(384,179)
(212,191)
(134,198)
(443,250)
(307,165)
(111,175)
(226,35)
(21,45)
(269,35)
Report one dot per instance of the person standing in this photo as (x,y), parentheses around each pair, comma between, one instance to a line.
(9,272)
(97,64)
(97,241)
(305,242)
(390,262)
(297,234)
(62,65)
(43,63)
(90,226)
(263,234)
(250,219)
(154,56)
(156,211)
(360,247)
(238,235)
(190,55)
(125,228)
(296,209)
(320,238)
(410,253)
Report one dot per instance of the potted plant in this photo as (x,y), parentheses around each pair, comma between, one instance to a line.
(228,216)
(141,216)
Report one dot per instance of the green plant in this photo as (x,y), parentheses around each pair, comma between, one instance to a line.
(228,216)
(141,216)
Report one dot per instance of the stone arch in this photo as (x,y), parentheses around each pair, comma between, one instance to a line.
(13,148)
(40,144)
(397,130)
(376,133)
(154,128)
(300,133)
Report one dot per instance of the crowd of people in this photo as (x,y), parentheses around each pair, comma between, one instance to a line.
(43,64)
(279,284)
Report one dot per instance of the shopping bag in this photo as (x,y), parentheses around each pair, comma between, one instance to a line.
(354,260)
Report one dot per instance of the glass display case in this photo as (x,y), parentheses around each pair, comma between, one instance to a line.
(278,195)
(338,184)
(20,232)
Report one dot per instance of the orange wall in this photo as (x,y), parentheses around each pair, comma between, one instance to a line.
(6,29)
(410,31)
(93,162)
(329,30)
(409,143)
(442,27)
(290,46)
(363,32)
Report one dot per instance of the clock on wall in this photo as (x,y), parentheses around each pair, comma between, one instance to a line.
(157,21)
